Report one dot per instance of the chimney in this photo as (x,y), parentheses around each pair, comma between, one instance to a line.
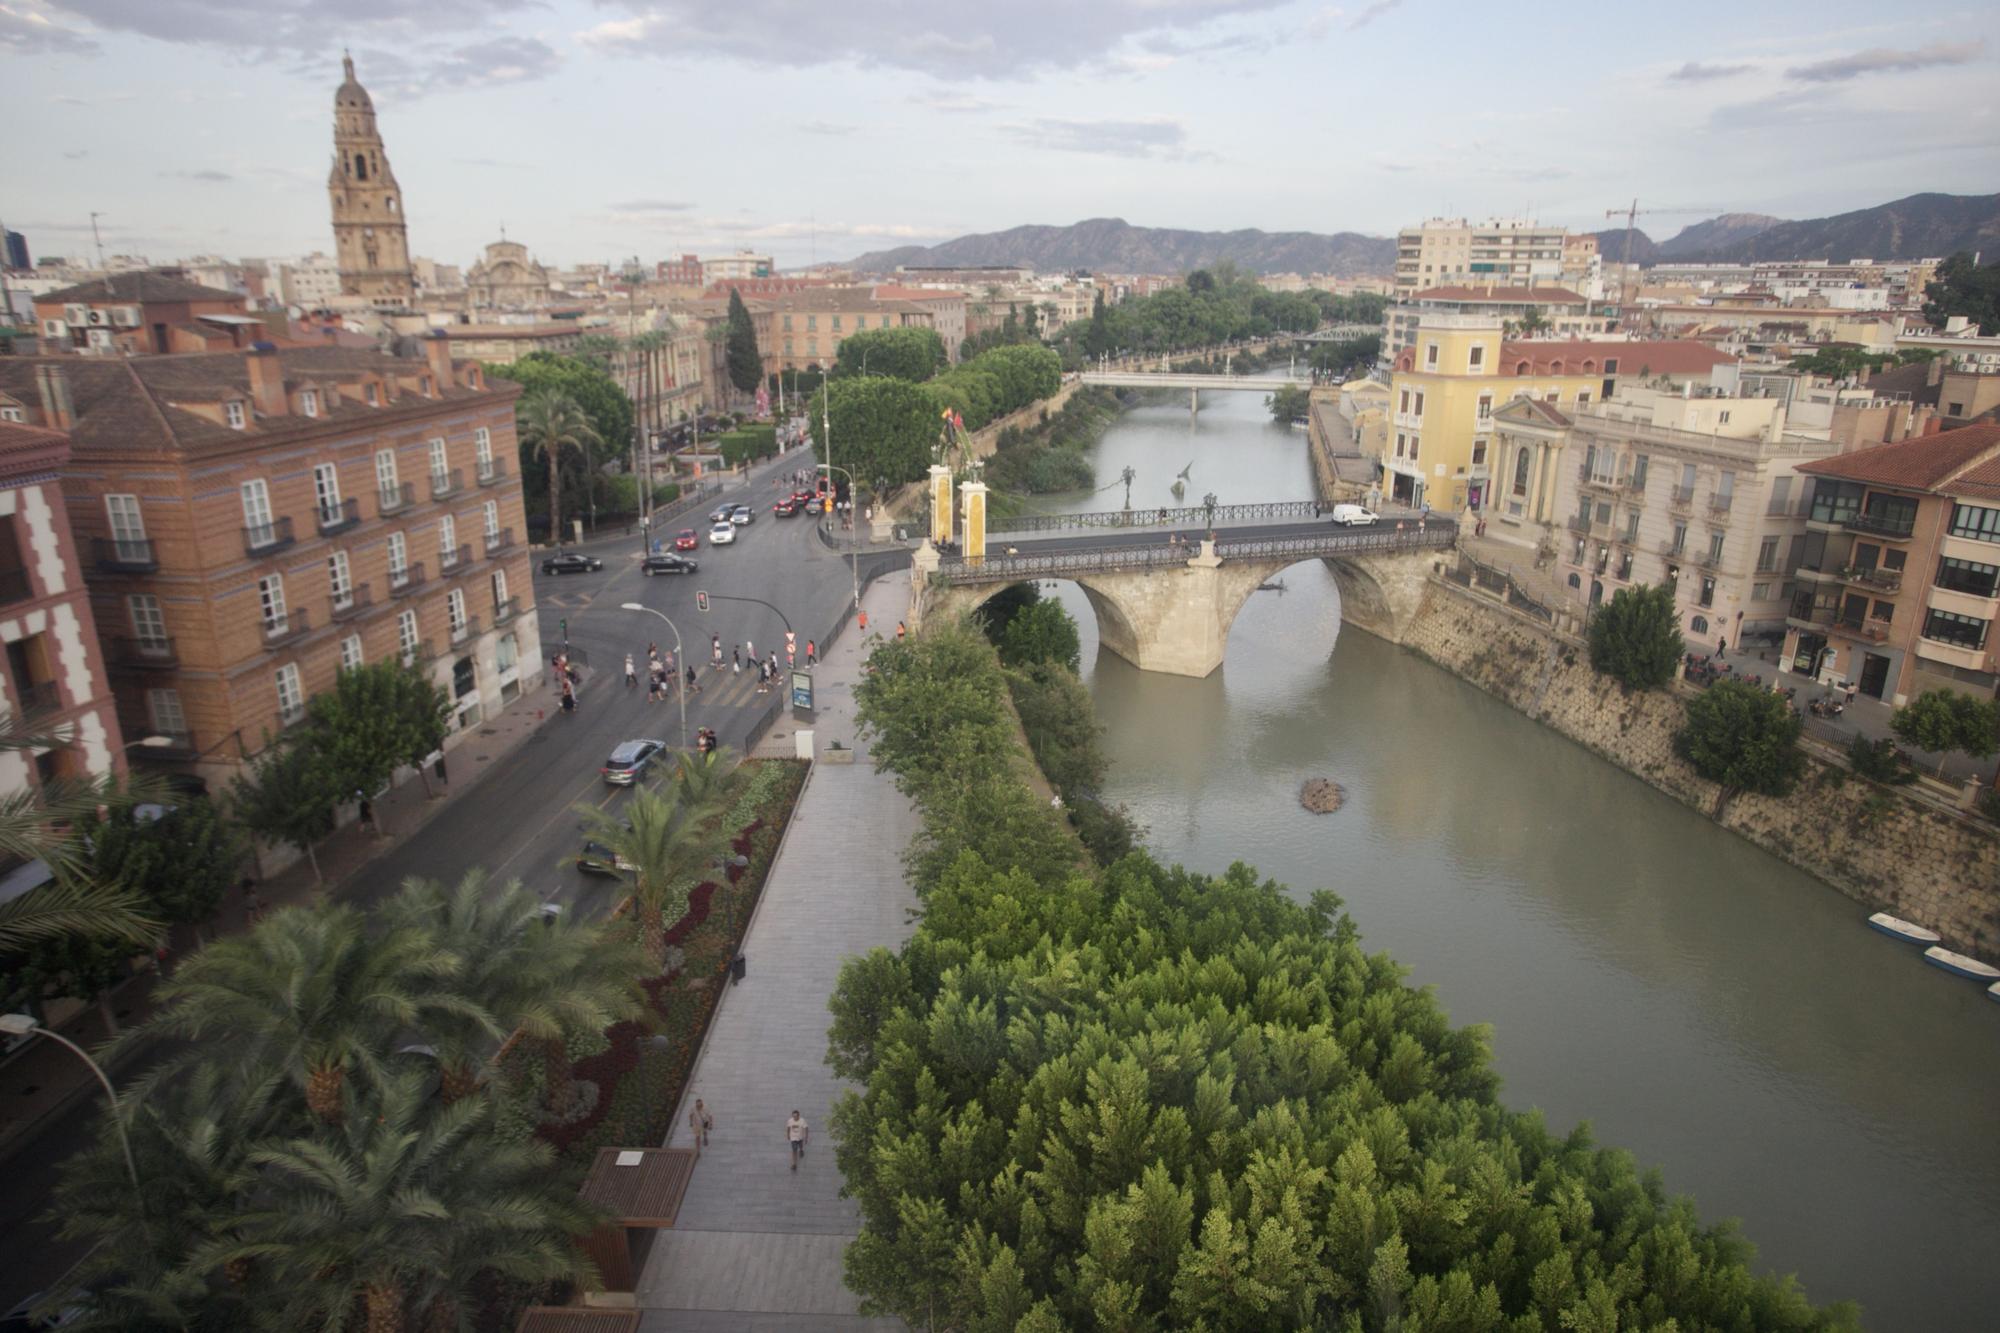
(437,350)
(267,380)
(56,412)
(1934,373)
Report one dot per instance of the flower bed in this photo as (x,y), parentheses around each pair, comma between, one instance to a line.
(639,1078)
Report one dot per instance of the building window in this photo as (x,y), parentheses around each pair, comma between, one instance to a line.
(1967,576)
(1715,548)
(1477,357)
(1430,356)
(1882,611)
(399,557)
(271,602)
(788,323)
(1611,365)
(406,637)
(1420,405)
(291,694)
(455,608)
(1582,397)
(464,678)
(1405,403)
(1413,448)
(1957,630)
(1680,537)
(326,490)
(149,625)
(438,460)
(499,589)
(812,323)
(1978,522)
(163,709)
(491,512)
(1400,442)
(1485,407)
(232,412)
(1625,565)
(371,395)
(507,653)
(1767,555)
(482,450)
(812,347)
(1707,591)
(1521,464)
(1699,624)
(339,580)
(836,323)
(256,507)
(309,402)
(447,541)
(1760,592)
(350,653)
(385,470)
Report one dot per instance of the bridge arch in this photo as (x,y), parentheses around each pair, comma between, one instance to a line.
(1114,625)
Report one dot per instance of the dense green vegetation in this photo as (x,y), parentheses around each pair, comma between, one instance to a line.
(594,427)
(1635,638)
(747,443)
(1141,1098)
(1944,721)
(1744,738)
(1055,455)
(913,354)
(1843,360)
(1965,287)
(1216,305)
(745,364)
(1289,404)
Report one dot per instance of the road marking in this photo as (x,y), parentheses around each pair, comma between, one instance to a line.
(567,808)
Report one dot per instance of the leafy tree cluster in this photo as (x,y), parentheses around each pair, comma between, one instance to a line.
(1946,721)
(1290,403)
(995,383)
(912,353)
(1144,1098)
(1635,638)
(740,355)
(1054,455)
(572,419)
(323,1141)
(1844,360)
(376,718)
(1219,304)
(666,838)
(1965,287)
(1743,738)
(885,428)
(1348,355)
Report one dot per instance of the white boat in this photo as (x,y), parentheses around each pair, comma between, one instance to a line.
(1897,928)
(1959,965)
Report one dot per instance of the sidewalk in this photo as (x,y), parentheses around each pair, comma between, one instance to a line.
(758,1245)
(45,1080)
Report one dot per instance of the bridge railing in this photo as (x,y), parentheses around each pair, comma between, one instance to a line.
(1192,516)
(1438,534)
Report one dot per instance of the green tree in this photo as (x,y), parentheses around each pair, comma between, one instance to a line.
(1097,338)
(1743,738)
(745,364)
(86,966)
(1290,403)
(1061,726)
(288,796)
(549,422)
(181,859)
(603,400)
(909,353)
(1964,287)
(707,781)
(375,719)
(36,824)
(668,843)
(1635,638)
(1943,721)
(1041,632)
(883,429)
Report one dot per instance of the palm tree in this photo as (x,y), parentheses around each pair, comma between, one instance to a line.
(549,422)
(396,1212)
(668,842)
(706,780)
(540,977)
(312,995)
(38,824)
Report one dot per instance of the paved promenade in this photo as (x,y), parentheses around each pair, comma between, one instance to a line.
(757,1248)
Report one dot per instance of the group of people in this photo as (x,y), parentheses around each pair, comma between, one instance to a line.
(566,679)
(661,677)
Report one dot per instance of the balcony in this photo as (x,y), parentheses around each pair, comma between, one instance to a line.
(469,629)
(1720,505)
(40,699)
(1709,560)
(394,499)
(359,598)
(123,555)
(444,483)
(260,539)
(499,541)
(408,581)
(418,655)
(453,558)
(1877,525)
(1673,550)
(14,586)
(1776,508)
(286,627)
(338,517)
(1579,524)
(491,473)
(1874,576)
(154,654)
(506,610)
(1681,498)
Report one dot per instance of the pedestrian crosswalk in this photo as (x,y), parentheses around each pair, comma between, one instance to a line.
(721,689)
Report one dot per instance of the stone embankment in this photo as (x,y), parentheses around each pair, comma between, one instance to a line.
(1878,846)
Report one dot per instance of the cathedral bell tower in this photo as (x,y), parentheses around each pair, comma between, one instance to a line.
(370,243)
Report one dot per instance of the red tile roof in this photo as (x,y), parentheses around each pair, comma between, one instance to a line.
(1926,463)
(890,291)
(1574,356)
(1978,482)
(1506,295)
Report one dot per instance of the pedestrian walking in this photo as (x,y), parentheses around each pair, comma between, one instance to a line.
(750,650)
(812,652)
(701,1122)
(253,903)
(796,1132)
(631,672)
(861,618)
(736,658)
(693,687)
(1721,646)
(715,650)
(366,816)
(902,631)
(774,664)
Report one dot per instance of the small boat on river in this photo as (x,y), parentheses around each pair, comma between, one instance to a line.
(1897,928)
(1959,965)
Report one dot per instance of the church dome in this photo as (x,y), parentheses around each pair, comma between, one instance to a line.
(351,96)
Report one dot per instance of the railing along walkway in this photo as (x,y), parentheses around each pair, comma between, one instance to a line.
(1001,566)
(1189,516)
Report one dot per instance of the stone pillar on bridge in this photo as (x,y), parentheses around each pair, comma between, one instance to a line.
(973,495)
(940,484)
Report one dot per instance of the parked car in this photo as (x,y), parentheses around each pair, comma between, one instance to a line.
(722,534)
(1352,516)
(786,507)
(571,562)
(630,760)
(665,563)
(686,540)
(742,515)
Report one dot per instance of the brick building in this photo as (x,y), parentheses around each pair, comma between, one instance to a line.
(143,313)
(258,520)
(54,673)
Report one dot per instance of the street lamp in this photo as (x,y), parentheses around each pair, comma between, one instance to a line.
(854,521)
(680,656)
(27,1025)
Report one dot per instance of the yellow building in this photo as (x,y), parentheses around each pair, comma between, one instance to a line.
(1447,385)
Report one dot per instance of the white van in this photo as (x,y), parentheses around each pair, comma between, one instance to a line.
(1351,515)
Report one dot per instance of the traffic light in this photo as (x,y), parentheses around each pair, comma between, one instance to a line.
(564,622)
(701,601)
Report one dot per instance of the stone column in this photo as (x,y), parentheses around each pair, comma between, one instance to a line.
(974,496)
(941,515)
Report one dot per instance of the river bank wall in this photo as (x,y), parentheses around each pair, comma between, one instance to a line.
(1883,849)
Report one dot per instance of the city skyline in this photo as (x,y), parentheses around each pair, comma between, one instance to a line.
(594,131)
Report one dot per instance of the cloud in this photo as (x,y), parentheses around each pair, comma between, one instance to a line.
(29,32)
(956,104)
(206,177)
(1154,136)
(74,154)
(1696,72)
(651,206)
(1884,60)
(494,162)
(826,127)
(945,40)
(1373,12)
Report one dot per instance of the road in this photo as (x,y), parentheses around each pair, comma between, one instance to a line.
(521,822)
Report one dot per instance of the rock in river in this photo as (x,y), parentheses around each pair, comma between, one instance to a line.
(1322,796)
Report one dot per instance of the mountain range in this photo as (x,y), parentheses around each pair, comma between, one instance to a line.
(1914,228)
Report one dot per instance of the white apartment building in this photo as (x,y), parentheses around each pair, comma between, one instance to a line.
(1446,251)
(742,264)
(310,283)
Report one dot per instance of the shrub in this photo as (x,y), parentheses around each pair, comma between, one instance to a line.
(1879,761)
(1635,638)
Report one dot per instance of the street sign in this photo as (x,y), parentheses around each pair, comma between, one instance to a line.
(802,691)
(701,601)
(791,648)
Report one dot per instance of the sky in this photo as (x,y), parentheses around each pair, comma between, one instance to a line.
(593,130)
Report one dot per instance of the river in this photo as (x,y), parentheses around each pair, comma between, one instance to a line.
(1719,1014)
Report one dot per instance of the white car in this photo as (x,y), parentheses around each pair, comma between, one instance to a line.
(1351,515)
(722,534)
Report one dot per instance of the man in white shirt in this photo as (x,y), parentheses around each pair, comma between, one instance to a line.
(795,1134)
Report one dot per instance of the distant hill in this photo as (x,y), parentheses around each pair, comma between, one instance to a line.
(1611,245)
(1716,234)
(1913,228)
(1116,246)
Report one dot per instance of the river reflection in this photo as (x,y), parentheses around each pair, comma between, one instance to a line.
(1718,1013)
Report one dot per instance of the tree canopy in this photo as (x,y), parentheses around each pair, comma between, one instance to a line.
(1635,638)
(1963,287)
(603,402)
(911,353)
(745,363)
(1219,304)
(883,429)
(1943,721)
(1742,737)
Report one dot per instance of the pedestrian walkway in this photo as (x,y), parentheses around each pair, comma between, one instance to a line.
(758,1245)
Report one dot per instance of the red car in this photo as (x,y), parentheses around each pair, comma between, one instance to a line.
(785,508)
(800,497)
(686,541)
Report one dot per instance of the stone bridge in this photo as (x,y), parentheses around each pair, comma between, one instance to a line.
(1166,606)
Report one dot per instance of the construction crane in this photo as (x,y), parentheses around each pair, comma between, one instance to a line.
(1631,215)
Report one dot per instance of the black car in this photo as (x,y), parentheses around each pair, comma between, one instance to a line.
(597,859)
(665,562)
(572,562)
